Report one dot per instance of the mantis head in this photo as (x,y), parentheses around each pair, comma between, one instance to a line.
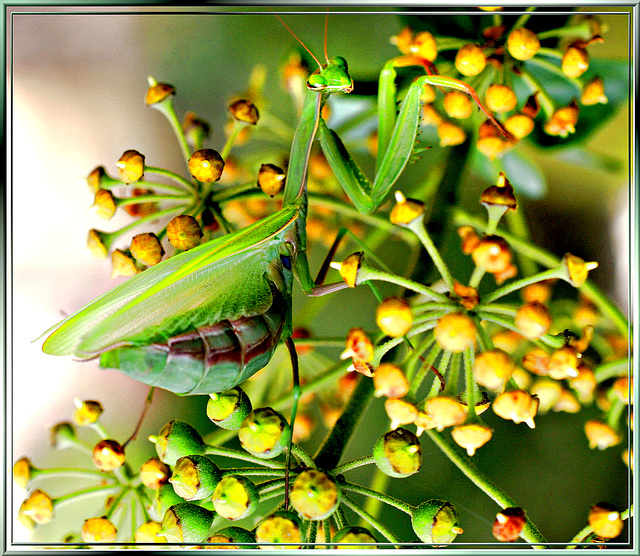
(333,77)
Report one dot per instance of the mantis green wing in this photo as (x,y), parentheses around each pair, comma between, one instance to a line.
(188,290)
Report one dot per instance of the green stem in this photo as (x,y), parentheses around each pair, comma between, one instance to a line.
(366,273)
(416,381)
(417,226)
(385,498)
(518,226)
(552,68)
(370,519)
(547,339)
(550,274)
(333,447)
(252,471)
(303,456)
(614,413)
(67,473)
(476,277)
(581,30)
(602,302)
(611,369)
(114,505)
(522,20)
(171,175)
(546,102)
(86,493)
(237,128)
(530,533)
(470,384)
(167,109)
(348,466)
(124,201)
(236,454)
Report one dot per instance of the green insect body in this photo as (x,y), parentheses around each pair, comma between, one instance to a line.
(206,319)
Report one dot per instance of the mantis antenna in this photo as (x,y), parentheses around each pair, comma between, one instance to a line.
(300,41)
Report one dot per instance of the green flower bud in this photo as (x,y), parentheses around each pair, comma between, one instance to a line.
(281,526)
(63,435)
(164,499)
(184,232)
(435,521)
(229,409)
(397,453)
(186,523)
(264,433)
(177,439)
(234,536)
(235,497)
(314,494)
(195,477)
(354,534)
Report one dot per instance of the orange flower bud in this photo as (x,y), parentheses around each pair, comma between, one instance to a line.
(538,291)
(424,46)
(605,520)
(509,524)
(584,383)
(500,194)
(469,297)
(470,60)
(403,40)
(405,210)
(349,268)
(563,363)
(548,391)
(563,121)
(195,130)
(536,361)
(567,402)
(22,472)
(470,239)
(359,346)
(157,92)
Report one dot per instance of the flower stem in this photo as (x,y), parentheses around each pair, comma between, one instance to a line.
(530,533)
(67,473)
(370,519)
(303,456)
(236,454)
(172,175)
(611,369)
(417,226)
(354,464)
(87,493)
(389,500)
(366,273)
(523,282)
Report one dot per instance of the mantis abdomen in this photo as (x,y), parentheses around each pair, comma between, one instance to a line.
(207,359)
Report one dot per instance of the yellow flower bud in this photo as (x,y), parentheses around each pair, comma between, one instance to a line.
(206,165)
(147,249)
(405,210)
(87,412)
(403,40)
(458,105)
(424,46)
(95,178)
(455,332)
(519,125)
(593,93)
(401,411)
(123,264)
(154,473)
(157,92)
(244,111)
(469,297)
(440,412)
(577,269)
(271,179)
(605,520)
(523,44)
(22,472)
(492,369)
(390,381)
(533,320)
(148,533)
(98,529)
(349,268)
(314,494)
(450,135)
(518,406)
(471,436)
(394,317)
(563,121)
(575,61)
(500,98)
(38,507)
(359,346)
(108,455)
(184,232)
(549,392)
(492,254)
(469,237)
(600,435)
(563,363)
(130,166)
(470,60)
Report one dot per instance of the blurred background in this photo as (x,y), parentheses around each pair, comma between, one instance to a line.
(78,82)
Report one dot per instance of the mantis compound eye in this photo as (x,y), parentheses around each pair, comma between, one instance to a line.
(286,261)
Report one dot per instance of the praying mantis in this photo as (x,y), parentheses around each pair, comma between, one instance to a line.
(205,320)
